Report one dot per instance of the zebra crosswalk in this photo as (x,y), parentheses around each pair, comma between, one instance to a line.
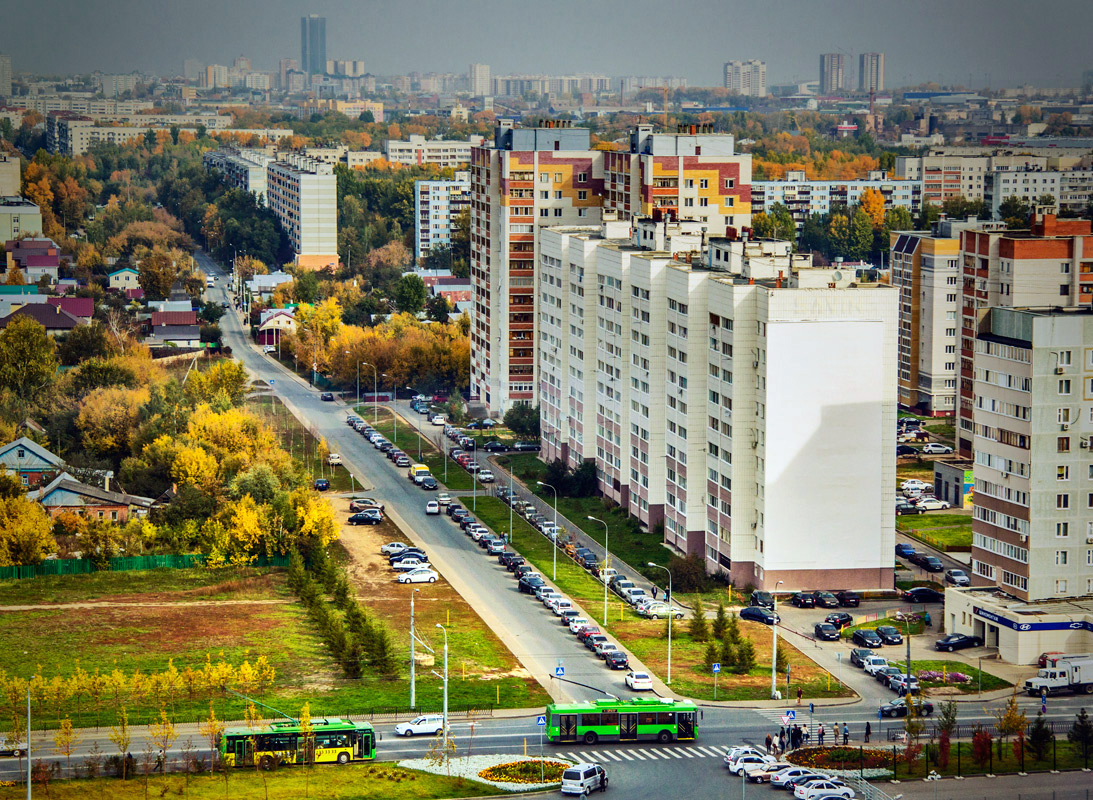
(643,754)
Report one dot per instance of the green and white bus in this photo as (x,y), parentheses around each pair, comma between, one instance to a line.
(660,718)
(332,741)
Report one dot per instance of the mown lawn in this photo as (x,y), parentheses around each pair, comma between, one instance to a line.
(945,531)
(990,682)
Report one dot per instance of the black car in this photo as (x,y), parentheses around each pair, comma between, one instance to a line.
(762,599)
(452,508)
(898,708)
(321,485)
(525,447)
(826,632)
(495,447)
(759,614)
(327,397)
(826,600)
(409,552)
(529,583)
(616,659)
(513,563)
(364,518)
(505,558)
(840,619)
(858,656)
(906,450)
(803,600)
(885,674)
(429,484)
(522,570)
(867,637)
(933,564)
(957,641)
(924,594)
(848,599)
(890,634)
(903,507)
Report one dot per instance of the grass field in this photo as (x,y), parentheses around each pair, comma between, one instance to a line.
(990,682)
(944,531)
(174,584)
(923,470)
(380,781)
(645,638)
(298,441)
(408,440)
(917,626)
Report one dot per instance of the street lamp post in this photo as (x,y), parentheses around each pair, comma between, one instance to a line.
(413,676)
(411,388)
(554,575)
(774,646)
(445,630)
(670,615)
(375,392)
(605,562)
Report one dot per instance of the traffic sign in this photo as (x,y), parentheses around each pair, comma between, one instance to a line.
(716,667)
(559,672)
(272,381)
(790,714)
(786,719)
(540,720)
(811,708)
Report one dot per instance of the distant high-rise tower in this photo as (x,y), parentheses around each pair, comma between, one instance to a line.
(871,72)
(479,80)
(313,44)
(748,78)
(5,76)
(832,73)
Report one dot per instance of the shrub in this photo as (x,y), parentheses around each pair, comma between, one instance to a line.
(720,622)
(698,629)
(525,772)
(981,746)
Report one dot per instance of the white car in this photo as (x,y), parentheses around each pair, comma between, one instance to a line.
(915,484)
(437,420)
(639,681)
(822,788)
(577,624)
(444,498)
(423,725)
(548,596)
(873,664)
(936,449)
(737,765)
(419,575)
(408,564)
(560,605)
(603,648)
(269,348)
(432,507)
(779,778)
(486,476)
(393,548)
(762,773)
(932,504)
(735,753)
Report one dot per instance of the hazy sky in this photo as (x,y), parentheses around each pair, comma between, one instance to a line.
(1005,42)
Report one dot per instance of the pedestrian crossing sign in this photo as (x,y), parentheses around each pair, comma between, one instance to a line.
(540,720)
(716,667)
(559,672)
(790,714)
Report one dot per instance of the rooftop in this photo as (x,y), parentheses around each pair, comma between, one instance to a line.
(1081,605)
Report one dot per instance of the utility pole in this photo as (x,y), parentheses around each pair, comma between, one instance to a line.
(774,646)
(445,676)
(413,663)
(554,575)
(605,562)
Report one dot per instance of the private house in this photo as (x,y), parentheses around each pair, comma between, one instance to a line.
(55,320)
(275,324)
(65,493)
(174,336)
(124,278)
(82,308)
(30,461)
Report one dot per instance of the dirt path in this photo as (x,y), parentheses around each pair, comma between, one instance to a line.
(106,604)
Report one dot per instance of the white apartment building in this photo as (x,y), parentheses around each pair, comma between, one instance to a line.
(871,72)
(72,135)
(114,85)
(748,78)
(946,176)
(1070,189)
(689,363)
(804,197)
(240,167)
(303,193)
(478,80)
(419,151)
(11,175)
(436,205)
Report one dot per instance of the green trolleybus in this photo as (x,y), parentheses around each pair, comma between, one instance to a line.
(660,718)
(332,741)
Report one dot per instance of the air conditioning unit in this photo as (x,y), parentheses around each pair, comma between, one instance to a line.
(1065,426)
(1058,370)
(1083,443)
(754,525)
(1089,539)
(755,364)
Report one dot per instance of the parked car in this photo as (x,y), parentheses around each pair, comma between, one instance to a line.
(924,594)
(822,790)
(437,420)
(639,681)
(495,447)
(890,634)
(957,641)
(762,599)
(429,483)
(931,504)
(840,619)
(826,600)
(914,483)
(744,760)
(932,564)
(904,550)
(616,659)
(826,632)
(603,648)
(904,450)
(525,447)
(327,397)
(898,708)
(759,614)
(658,609)
(885,674)
(495,547)
(361,503)
(444,498)
(874,663)
(957,577)
(393,548)
(408,564)
(903,507)
(858,656)
(486,476)
(529,583)
(803,600)
(594,641)
(867,637)
(321,485)
(420,575)
(933,448)
(365,518)
(424,725)
(848,599)
(432,507)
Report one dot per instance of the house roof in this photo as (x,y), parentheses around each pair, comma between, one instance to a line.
(135,294)
(169,332)
(76,306)
(66,483)
(123,269)
(9,459)
(50,317)
(173,318)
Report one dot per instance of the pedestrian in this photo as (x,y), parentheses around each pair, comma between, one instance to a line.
(667,596)
(846,734)
(770,739)
(820,735)
(781,741)
(868,730)
(800,694)
(654,591)
(159,761)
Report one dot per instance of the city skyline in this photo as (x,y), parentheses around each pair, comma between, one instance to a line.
(389,37)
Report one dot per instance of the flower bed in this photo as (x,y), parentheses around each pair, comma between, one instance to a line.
(533,771)
(474,767)
(843,761)
(932,676)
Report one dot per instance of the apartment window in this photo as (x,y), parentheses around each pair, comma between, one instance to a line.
(544,177)
(688,183)
(557,212)
(558,195)
(1060,558)
(1062,530)
(950,365)
(951,298)
(950,331)
(544,212)
(544,194)
(1062,416)
(582,177)
(1064,268)
(557,177)
(1064,291)
(1064,358)
(688,201)
(1062,473)
(582,212)
(1062,501)
(704,201)
(1064,386)
(1062,444)
(704,184)
(1060,587)
(582,195)
(730,183)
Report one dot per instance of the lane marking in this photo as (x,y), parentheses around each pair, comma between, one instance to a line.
(637,754)
(624,755)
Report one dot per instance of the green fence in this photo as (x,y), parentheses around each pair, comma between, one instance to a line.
(84,566)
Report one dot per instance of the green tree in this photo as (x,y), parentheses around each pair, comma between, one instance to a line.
(1014,211)
(523,420)
(1081,732)
(1010,719)
(156,275)
(861,239)
(85,342)
(437,308)
(928,214)
(745,656)
(775,224)
(898,219)
(732,630)
(710,657)
(410,294)
(1040,737)
(28,366)
(698,629)
(728,656)
(720,627)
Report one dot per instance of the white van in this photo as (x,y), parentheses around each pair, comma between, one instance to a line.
(583,779)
